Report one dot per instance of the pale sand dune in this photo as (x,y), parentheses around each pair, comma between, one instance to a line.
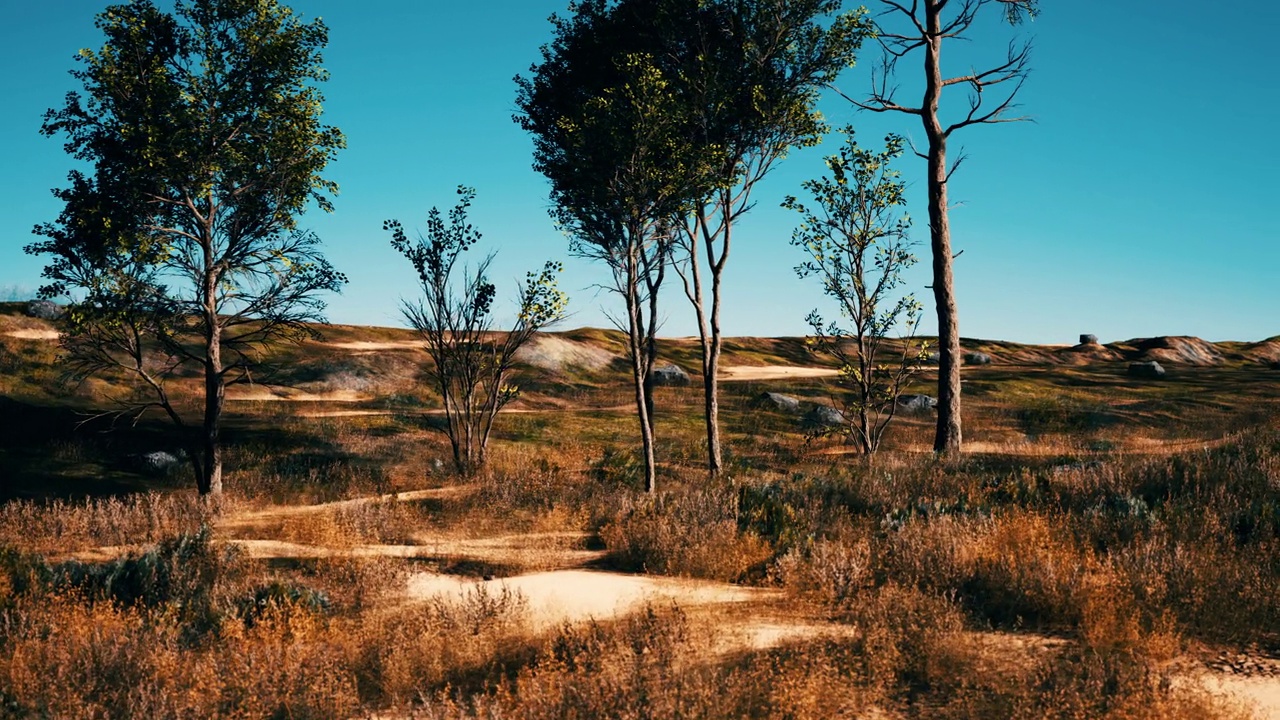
(740,373)
(34,334)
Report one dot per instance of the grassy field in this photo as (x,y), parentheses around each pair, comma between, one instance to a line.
(1107,547)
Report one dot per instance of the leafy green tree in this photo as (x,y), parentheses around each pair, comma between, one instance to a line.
(202,135)
(923,27)
(749,78)
(471,363)
(858,247)
(610,135)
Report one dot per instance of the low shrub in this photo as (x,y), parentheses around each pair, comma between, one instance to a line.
(684,532)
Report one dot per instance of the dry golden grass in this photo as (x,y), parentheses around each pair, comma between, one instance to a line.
(1100,530)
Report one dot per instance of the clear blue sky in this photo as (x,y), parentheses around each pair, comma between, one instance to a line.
(1136,204)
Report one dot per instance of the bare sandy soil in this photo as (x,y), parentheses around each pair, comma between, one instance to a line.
(744,373)
(369,346)
(1262,693)
(264,394)
(566,591)
(561,596)
(34,334)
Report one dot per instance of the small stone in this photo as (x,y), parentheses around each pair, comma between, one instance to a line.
(778,401)
(977,358)
(44,309)
(916,403)
(670,375)
(157,462)
(1149,369)
(823,416)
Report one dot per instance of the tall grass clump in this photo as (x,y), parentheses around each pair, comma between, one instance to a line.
(61,526)
(686,531)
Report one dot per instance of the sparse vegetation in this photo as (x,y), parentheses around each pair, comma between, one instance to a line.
(999,585)
(858,247)
(1109,547)
(471,363)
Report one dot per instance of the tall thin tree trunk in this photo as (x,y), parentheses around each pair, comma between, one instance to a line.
(948,438)
(641,371)
(709,333)
(210,480)
(711,370)
(641,346)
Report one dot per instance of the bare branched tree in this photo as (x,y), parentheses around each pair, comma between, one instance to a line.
(471,362)
(922,26)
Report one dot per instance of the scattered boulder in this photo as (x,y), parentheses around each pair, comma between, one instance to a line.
(1088,339)
(158,462)
(44,309)
(555,353)
(916,403)
(1179,351)
(670,375)
(1149,369)
(823,417)
(932,358)
(977,358)
(778,401)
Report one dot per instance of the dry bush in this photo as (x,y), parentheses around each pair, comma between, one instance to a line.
(902,634)
(447,641)
(287,664)
(64,658)
(641,666)
(71,659)
(832,572)
(692,532)
(63,527)
(1204,541)
(933,554)
(1023,571)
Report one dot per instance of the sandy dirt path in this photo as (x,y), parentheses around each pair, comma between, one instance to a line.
(560,596)
(274,514)
(34,334)
(744,373)
(544,550)
(369,346)
(259,393)
(569,592)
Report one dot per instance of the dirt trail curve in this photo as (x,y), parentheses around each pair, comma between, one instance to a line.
(570,592)
(283,512)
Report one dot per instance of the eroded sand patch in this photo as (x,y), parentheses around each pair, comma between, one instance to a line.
(1259,693)
(550,352)
(738,373)
(368,346)
(562,596)
(264,394)
(34,334)
(283,512)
